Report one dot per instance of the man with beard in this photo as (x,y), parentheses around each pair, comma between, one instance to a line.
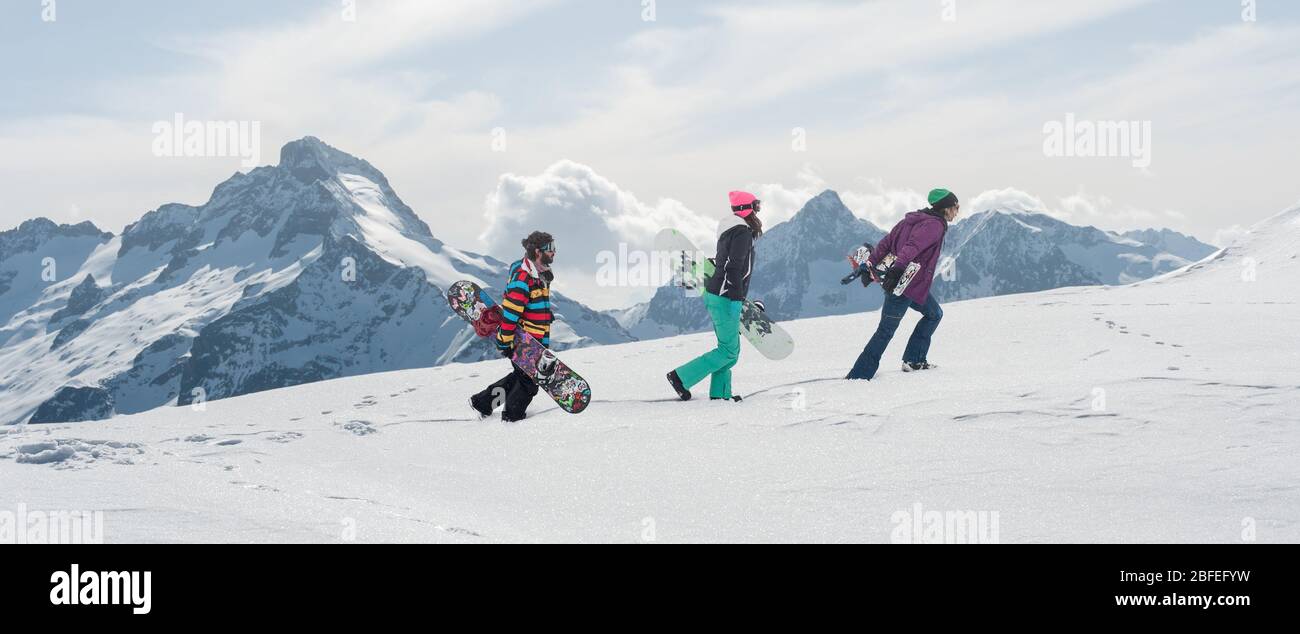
(525,312)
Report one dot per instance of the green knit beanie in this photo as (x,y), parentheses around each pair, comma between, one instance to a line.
(941,199)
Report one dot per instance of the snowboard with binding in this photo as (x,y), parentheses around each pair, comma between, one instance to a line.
(861,261)
(691,267)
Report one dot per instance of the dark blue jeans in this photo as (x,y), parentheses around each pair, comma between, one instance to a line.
(891,314)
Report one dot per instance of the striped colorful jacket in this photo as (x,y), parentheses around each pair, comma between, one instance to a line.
(525,305)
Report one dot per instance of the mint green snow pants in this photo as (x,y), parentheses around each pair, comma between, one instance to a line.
(717,363)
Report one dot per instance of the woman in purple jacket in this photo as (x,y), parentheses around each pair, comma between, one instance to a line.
(917,238)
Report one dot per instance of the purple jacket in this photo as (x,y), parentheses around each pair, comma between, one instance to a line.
(918,237)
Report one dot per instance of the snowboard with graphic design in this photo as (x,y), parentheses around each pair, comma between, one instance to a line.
(569,390)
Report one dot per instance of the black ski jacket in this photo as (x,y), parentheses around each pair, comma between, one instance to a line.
(734,261)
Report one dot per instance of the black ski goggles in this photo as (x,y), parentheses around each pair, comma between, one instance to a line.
(756,205)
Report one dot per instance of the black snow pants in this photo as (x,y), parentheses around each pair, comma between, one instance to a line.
(515,391)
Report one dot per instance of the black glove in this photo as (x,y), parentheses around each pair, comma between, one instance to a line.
(758,303)
(864,274)
(890,281)
(507,352)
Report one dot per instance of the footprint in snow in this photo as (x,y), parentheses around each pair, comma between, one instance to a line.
(227,443)
(72,453)
(285,437)
(255,487)
(358,427)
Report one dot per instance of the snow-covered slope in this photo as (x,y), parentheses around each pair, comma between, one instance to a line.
(1167,410)
(307,270)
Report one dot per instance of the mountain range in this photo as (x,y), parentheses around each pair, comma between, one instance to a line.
(308,270)
(314,269)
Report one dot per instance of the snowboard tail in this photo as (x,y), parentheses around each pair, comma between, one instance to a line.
(567,388)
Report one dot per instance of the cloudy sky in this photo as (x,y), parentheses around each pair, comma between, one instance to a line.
(612,118)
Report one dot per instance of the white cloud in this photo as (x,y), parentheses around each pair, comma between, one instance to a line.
(346,82)
(1084,209)
(781,202)
(588,214)
(1228,235)
(684,113)
(1079,208)
(881,204)
(1009,199)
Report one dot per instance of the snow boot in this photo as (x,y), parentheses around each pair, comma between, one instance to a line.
(735,399)
(482,412)
(917,367)
(676,382)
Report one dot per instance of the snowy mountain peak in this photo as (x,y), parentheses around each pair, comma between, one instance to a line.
(825,209)
(1170,241)
(309,159)
(823,226)
(35,232)
(308,270)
